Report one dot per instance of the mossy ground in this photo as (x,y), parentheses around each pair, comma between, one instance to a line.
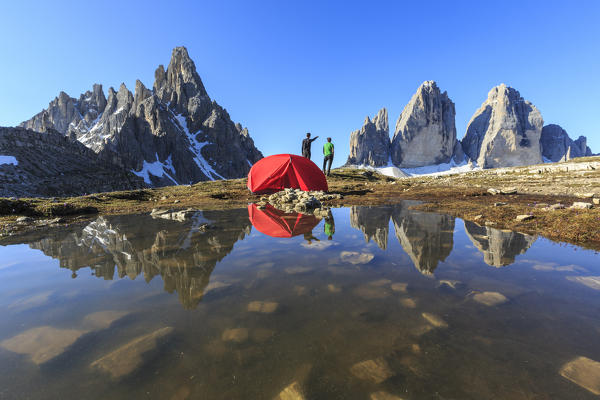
(461,195)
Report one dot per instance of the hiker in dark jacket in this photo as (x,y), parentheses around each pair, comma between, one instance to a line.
(306,145)
(327,155)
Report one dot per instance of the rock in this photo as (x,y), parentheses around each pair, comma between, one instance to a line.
(596,201)
(558,146)
(434,320)
(371,144)
(265,307)
(371,292)
(380,282)
(578,205)
(524,217)
(449,283)
(333,288)
(376,370)
(592,282)
(381,395)
(508,191)
(477,217)
(130,356)
(291,392)
(490,298)
(174,134)
(493,191)
(585,195)
(24,220)
(408,302)
(237,335)
(297,270)
(52,165)
(505,131)
(43,343)
(425,132)
(399,287)
(583,372)
(499,204)
(355,257)
(102,319)
(557,206)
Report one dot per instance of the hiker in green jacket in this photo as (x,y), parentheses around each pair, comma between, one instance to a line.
(328,155)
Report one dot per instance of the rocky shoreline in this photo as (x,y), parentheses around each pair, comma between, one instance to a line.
(558,201)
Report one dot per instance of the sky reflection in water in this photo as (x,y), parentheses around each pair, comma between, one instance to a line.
(375,301)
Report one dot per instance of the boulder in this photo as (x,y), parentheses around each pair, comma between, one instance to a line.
(505,131)
(425,132)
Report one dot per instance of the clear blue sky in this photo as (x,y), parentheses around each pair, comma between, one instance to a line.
(283,68)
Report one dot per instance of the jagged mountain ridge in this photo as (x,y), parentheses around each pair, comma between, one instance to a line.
(49,164)
(506,130)
(172,134)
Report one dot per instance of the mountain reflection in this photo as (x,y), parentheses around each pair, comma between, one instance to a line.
(181,252)
(499,247)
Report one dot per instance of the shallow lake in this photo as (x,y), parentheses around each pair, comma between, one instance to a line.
(372,303)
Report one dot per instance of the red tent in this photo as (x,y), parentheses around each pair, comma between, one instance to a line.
(275,173)
(276,223)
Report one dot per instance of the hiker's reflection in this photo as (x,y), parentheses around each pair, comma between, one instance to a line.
(308,236)
(329,226)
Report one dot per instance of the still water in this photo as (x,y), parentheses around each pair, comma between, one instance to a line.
(373,303)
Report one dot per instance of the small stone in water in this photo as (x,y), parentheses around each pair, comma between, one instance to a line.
(490,298)
(584,372)
(435,320)
(237,335)
(376,370)
(265,307)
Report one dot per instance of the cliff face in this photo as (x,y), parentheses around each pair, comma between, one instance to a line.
(49,164)
(505,131)
(370,145)
(425,132)
(558,146)
(172,134)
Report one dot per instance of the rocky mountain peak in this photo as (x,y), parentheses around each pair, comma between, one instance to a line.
(174,134)
(180,83)
(504,131)
(370,145)
(558,146)
(425,131)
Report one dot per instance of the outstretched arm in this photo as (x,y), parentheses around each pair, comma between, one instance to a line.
(313,139)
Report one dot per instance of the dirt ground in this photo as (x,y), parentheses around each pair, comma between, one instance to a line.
(465,195)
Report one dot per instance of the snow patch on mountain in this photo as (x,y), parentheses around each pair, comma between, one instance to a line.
(8,160)
(158,169)
(196,148)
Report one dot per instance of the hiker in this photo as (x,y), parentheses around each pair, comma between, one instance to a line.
(329,227)
(306,145)
(328,155)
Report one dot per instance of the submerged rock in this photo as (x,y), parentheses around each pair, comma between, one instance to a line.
(43,343)
(237,335)
(434,320)
(265,307)
(291,392)
(490,298)
(584,372)
(381,395)
(354,257)
(593,282)
(130,356)
(376,370)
